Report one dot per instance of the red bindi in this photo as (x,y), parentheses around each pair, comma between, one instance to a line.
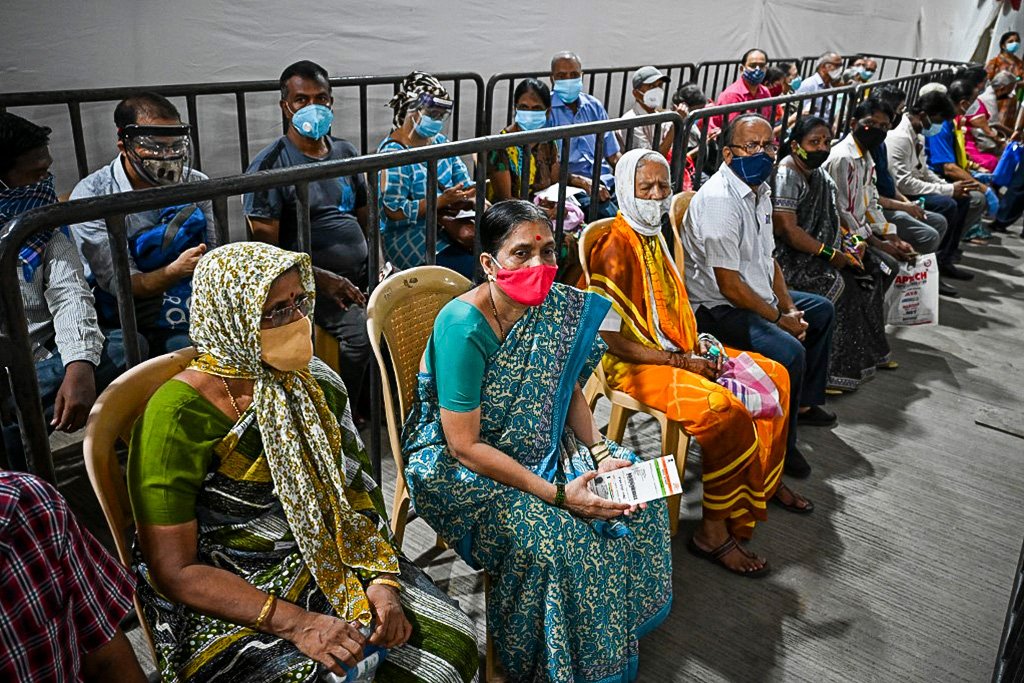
(537,237)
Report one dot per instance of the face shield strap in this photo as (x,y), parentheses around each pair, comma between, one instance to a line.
(433,106)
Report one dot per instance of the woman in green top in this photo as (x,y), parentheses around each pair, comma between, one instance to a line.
(263,550)
(501,448)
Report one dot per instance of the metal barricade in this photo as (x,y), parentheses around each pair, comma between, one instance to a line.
(191,92)
(15,348)
(611,85)
(1010,657)
(892,66)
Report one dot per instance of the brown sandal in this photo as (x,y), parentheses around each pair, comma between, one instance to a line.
(715,556)
(795,509)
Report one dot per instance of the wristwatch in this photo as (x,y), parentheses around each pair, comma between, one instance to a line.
(559,495)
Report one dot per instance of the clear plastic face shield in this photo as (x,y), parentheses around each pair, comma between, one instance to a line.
(159,154)
(436,108)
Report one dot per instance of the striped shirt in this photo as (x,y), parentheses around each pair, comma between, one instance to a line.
(857,196)
(64,595)
(59,307)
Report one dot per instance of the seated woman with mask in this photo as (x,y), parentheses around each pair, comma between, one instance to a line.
(532,100)
(655,355)
(263,550)
(501,447)
(814,257)
(422,106)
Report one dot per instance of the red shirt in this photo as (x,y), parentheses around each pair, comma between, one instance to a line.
(738,92)
(61,593)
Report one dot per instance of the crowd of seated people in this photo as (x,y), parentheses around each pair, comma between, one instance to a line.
(263,550)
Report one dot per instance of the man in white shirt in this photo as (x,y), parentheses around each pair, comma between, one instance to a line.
(738,292)
(826,75)
(958,201)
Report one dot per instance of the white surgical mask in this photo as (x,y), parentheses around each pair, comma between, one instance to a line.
(834,74)
(654,97)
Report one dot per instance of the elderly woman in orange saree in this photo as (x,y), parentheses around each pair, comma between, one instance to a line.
(654,355)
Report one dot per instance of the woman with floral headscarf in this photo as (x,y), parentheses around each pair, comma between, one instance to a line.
(422,105)
(263,552)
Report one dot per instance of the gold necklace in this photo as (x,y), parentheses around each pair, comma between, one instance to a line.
(494,310)
(231,397)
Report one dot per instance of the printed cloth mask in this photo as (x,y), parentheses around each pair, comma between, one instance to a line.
(428,127)
(529,285)
(812,159)
(531,120)
(1012,47)
(289,347)
(754,76)
(17,200)
(868,137)
(794,84)
(568,89)
(932,130)
(313,121)
(654,97)
(752,170)
(158,171)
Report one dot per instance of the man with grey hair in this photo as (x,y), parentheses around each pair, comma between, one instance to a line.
(827,74)
(570,105)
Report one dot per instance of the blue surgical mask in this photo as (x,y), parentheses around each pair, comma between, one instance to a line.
(794,84)
(531,120)
(754,76)
(932,130)
(752,170)
(1012,47)
(313,121)
(569,89)
(428,127)
(866,74)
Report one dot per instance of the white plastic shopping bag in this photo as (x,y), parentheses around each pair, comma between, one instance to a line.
(913,298)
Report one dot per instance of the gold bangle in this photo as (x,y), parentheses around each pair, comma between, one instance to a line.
(265,612)
(384,581)
(599,451)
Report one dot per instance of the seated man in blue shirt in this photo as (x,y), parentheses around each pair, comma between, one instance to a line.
(337,214)
(571,105)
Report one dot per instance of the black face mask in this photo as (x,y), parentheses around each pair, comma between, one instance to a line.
(813,159)
(868,137)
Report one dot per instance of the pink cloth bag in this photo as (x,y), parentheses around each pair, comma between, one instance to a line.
(749,383)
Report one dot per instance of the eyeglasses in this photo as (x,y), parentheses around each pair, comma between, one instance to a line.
(283,314)
(752,148)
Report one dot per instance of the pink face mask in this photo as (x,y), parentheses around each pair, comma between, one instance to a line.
(528,286)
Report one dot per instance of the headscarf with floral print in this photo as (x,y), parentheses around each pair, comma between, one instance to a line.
(301,437)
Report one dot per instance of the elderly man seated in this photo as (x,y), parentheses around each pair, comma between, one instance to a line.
(737,289)
(656,356)
(649,95)
(826,75)
(570,105)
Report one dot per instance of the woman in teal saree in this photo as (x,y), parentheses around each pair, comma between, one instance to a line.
(499,462)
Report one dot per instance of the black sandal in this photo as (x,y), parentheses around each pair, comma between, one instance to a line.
(795,509)
(715,556)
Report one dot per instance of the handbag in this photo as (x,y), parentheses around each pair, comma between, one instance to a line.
(1008,164)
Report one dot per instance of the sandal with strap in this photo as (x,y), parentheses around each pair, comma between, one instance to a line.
(715,557)
(795,509)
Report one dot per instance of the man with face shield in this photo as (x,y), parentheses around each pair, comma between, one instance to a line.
(164,245)
(337,213)
(73,360)
(422,107)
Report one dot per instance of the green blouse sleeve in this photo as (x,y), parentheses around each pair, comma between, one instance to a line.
(457,355)
(171,452)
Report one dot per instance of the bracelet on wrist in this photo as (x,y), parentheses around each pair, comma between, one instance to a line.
(386,581)
(559,501)
(778,317)
(264,612)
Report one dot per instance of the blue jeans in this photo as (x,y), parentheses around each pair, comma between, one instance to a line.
(806,362)
(50,375)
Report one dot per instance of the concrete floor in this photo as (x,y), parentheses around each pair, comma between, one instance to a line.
(903,572)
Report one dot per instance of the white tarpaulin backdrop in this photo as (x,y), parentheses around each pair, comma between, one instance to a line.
(50,44)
